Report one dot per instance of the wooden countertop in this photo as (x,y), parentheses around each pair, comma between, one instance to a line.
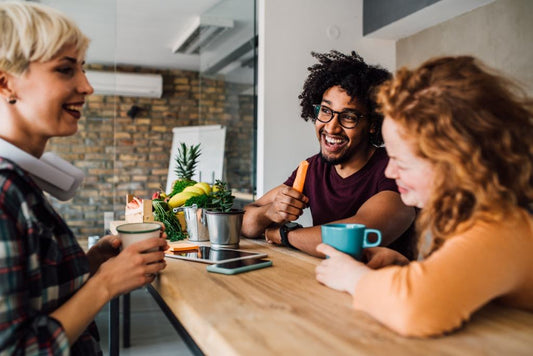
(283,310)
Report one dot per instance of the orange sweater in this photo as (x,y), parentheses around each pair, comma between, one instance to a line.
(488,261)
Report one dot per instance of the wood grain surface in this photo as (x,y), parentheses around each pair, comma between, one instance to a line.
(283,310)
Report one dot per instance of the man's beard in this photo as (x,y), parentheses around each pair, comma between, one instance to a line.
(345,155)
(334,161)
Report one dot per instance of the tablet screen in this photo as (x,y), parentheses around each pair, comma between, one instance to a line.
(206,254)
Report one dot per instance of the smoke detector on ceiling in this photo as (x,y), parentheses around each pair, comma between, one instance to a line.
(203,31)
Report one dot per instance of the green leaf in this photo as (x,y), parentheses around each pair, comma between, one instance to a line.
(187,160)
(222,199)
(201,201)
(163,214)
(179,185)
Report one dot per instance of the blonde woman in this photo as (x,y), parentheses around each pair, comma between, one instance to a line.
(459,141)
(47,299)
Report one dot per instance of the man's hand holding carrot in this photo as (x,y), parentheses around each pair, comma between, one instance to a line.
(289,202)
(288,205)
(278,206)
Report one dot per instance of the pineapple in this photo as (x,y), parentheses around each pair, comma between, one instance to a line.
(186,161)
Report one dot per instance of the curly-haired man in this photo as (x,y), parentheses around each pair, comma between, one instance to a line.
(345,182)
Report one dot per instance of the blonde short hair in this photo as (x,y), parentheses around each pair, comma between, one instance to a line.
(31,32)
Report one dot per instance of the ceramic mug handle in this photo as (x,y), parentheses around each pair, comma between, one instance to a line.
(371,244)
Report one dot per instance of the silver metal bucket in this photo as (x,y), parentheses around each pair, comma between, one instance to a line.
(196,222)
(224,228)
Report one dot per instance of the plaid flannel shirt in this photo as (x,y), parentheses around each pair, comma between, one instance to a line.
(41,267)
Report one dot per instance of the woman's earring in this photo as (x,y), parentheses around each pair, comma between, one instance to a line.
(12,100)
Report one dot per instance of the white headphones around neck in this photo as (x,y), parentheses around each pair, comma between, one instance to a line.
(51,173)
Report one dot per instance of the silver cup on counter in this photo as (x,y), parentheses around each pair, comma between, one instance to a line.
(224,228)
(196,221)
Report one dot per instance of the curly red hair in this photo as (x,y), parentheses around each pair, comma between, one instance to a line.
(475,127)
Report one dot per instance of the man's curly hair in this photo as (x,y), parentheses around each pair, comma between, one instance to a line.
(352,74)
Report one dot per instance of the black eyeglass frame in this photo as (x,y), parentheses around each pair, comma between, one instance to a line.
(317,107)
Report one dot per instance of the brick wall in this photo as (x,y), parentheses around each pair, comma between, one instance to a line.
(223,104)
(121,155)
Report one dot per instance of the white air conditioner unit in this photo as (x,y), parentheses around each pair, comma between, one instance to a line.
(126,84)
(203,31)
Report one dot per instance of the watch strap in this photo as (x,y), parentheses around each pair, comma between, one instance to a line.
(284,232)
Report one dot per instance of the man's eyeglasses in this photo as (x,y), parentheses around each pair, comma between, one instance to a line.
(347,119)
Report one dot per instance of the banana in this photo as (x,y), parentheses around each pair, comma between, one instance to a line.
(194,189)
(180,199)
(204,186)
(181,218)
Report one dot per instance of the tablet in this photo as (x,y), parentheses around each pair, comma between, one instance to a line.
(206,254)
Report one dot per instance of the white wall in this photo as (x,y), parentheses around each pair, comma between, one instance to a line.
(500,34)
(288,31)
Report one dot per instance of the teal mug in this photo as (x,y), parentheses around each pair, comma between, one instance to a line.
(349,238)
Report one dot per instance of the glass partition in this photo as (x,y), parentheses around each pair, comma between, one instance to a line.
(227,87)
(93,147)
(124,143)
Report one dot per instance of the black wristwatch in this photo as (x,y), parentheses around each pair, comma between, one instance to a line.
(284,232)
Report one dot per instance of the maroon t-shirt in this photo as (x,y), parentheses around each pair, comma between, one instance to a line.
(332,197)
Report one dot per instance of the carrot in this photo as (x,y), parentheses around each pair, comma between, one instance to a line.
(187,248)
(299,181)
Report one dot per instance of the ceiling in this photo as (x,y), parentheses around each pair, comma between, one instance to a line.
(144,32)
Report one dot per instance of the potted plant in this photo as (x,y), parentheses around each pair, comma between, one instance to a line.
(223,222)
(195,218)
(183,188)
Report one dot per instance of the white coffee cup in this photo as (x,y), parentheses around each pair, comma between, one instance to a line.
(134,232)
